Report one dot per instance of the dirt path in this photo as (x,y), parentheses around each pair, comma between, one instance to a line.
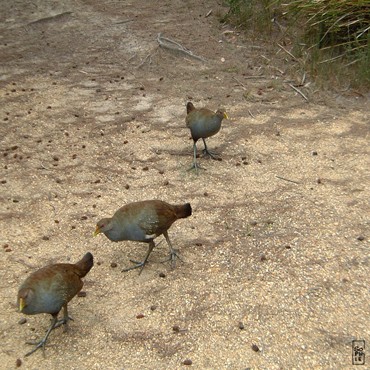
(276,253)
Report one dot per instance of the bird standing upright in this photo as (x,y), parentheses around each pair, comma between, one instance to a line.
(143,221)
(203,123)
(49,289)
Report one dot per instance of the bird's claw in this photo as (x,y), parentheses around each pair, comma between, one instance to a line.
(211,154)
(137,265)
(38,345)
(172,257)
(195,167)
(63,321)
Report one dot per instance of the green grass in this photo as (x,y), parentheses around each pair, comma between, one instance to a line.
(331,38)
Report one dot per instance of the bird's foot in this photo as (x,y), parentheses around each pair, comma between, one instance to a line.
(195,167)
(211,154)
(63,321)
(172,257)
(37,345)
(137,265)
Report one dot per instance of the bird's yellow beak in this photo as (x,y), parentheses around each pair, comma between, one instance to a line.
(97,231)
(226,116)
(22,304)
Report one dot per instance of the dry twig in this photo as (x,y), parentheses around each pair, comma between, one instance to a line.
(173,45)
(288,52)
(299,92)
(285,179)
(240,83)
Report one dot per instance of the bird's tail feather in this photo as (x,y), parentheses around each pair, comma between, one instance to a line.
(85,264)
(183,211)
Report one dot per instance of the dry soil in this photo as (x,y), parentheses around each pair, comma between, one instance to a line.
(275,258)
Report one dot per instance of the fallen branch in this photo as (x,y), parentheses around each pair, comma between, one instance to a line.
(285,179)
(240,83)
(299,92)
(287,51)
(209,13)
(51,19)
(144,61)
(173,45)
(124,21)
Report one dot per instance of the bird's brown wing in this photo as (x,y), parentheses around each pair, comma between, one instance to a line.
(67,280)
(157,218)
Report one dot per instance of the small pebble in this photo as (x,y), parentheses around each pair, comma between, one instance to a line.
(253,223)
(81,294)
(162,275)
(319,181)
(205,194)
(140,316)
(18,363)
(288,247)
(360,238)
(8,250)
(166,182)
(255,348)
(314,153)
(146,168)
(113,265)
(241,325)
(187,362)
(45,237)
(153,307)
(83,217)
(176,329)
(127,186)
(263,258)
(5,246)
(22,321)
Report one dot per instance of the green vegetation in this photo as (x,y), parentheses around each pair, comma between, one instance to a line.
(330,38)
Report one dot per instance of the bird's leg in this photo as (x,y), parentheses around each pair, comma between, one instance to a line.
(213,155)
(64,320)
(173,252)
(43,341)
(141,264)
(195,165)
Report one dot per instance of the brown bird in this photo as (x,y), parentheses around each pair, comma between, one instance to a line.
(203,123)
(143,222)
(49,289)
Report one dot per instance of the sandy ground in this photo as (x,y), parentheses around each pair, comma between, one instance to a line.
(275,257)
